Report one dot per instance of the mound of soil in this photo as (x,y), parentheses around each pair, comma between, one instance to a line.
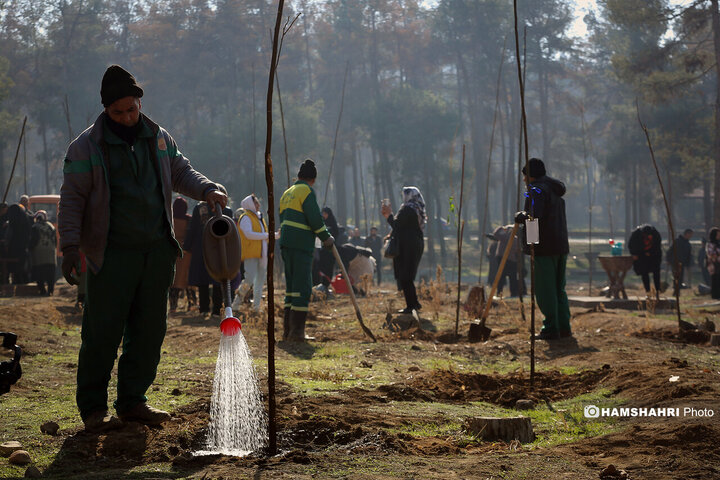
(676,450)
(505,390)
(695,337)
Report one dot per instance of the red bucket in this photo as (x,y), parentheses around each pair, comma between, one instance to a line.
(339,285)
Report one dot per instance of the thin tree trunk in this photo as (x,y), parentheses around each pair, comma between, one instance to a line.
(282,120)
(272,446)
(716,39)
(337,130)
(254,132)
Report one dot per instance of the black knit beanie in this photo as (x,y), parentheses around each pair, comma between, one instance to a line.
(537,168)
(118,83)
(307,170)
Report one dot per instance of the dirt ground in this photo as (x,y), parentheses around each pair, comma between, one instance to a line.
(351,408)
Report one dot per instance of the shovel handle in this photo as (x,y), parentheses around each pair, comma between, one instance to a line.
(498,275)
(367,331)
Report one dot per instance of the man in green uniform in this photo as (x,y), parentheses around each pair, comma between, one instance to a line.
(300,222)
(115,206)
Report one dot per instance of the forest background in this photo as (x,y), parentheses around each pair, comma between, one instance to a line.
(415,82)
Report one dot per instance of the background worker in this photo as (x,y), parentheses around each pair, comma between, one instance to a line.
(300,223)
(374,243)
(645,246)
(115,206)
(544,202)
(254,247)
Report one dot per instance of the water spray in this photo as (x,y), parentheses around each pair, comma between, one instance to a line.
(237,416)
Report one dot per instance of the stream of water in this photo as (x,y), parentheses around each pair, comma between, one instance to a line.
(238,422)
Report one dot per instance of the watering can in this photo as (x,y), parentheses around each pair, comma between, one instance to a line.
(221,253)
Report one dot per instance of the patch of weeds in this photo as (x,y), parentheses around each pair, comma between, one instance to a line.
(336,351)
(430,428)
(567,423)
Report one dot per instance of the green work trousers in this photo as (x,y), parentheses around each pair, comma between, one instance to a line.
(126,301)
(550,292)
(298,278)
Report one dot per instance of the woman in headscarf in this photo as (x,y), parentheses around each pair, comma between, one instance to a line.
(712,260)
(326,262)
(181,223)
(254,238)
(43,245)
(408,225)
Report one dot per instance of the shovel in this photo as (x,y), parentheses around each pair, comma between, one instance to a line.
(352,293)
(483,331)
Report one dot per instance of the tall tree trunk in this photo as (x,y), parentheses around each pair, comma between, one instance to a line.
(543,90)
(707,204)
(378,193)
(628,202)
(431,224)
(716,38)
(308,60)
(46,156)
(356,197)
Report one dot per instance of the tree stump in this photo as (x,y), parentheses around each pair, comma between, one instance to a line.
(506,429)
(715,339)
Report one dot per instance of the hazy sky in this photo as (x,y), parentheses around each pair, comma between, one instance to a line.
(582,7)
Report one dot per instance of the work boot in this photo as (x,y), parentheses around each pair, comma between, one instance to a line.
(101,421)
(286,323)
(545,335)
(297,327)
(145,414)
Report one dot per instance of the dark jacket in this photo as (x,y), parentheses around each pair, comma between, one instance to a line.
(84,212)
(684,252)
(406,228)
(544,201)
(645,244)
(374,244)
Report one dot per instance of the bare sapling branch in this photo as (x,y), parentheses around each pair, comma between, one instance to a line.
(675,268)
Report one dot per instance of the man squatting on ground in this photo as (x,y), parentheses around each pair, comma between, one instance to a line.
(115,206)
(545,203)
(300,222)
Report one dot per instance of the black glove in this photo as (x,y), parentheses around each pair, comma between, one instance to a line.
(71,261)
(328,242)
(520,217)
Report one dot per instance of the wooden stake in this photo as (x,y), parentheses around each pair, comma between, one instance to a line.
(527,158)
(337,129)
(461,227)
(272,440)
(676,270)
(17,152)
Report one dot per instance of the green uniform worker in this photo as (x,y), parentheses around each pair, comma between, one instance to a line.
(544,202)
(300,222)
(115,205)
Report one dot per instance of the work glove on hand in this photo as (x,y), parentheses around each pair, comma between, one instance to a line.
(328,242)
(71,261)
(520,217)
